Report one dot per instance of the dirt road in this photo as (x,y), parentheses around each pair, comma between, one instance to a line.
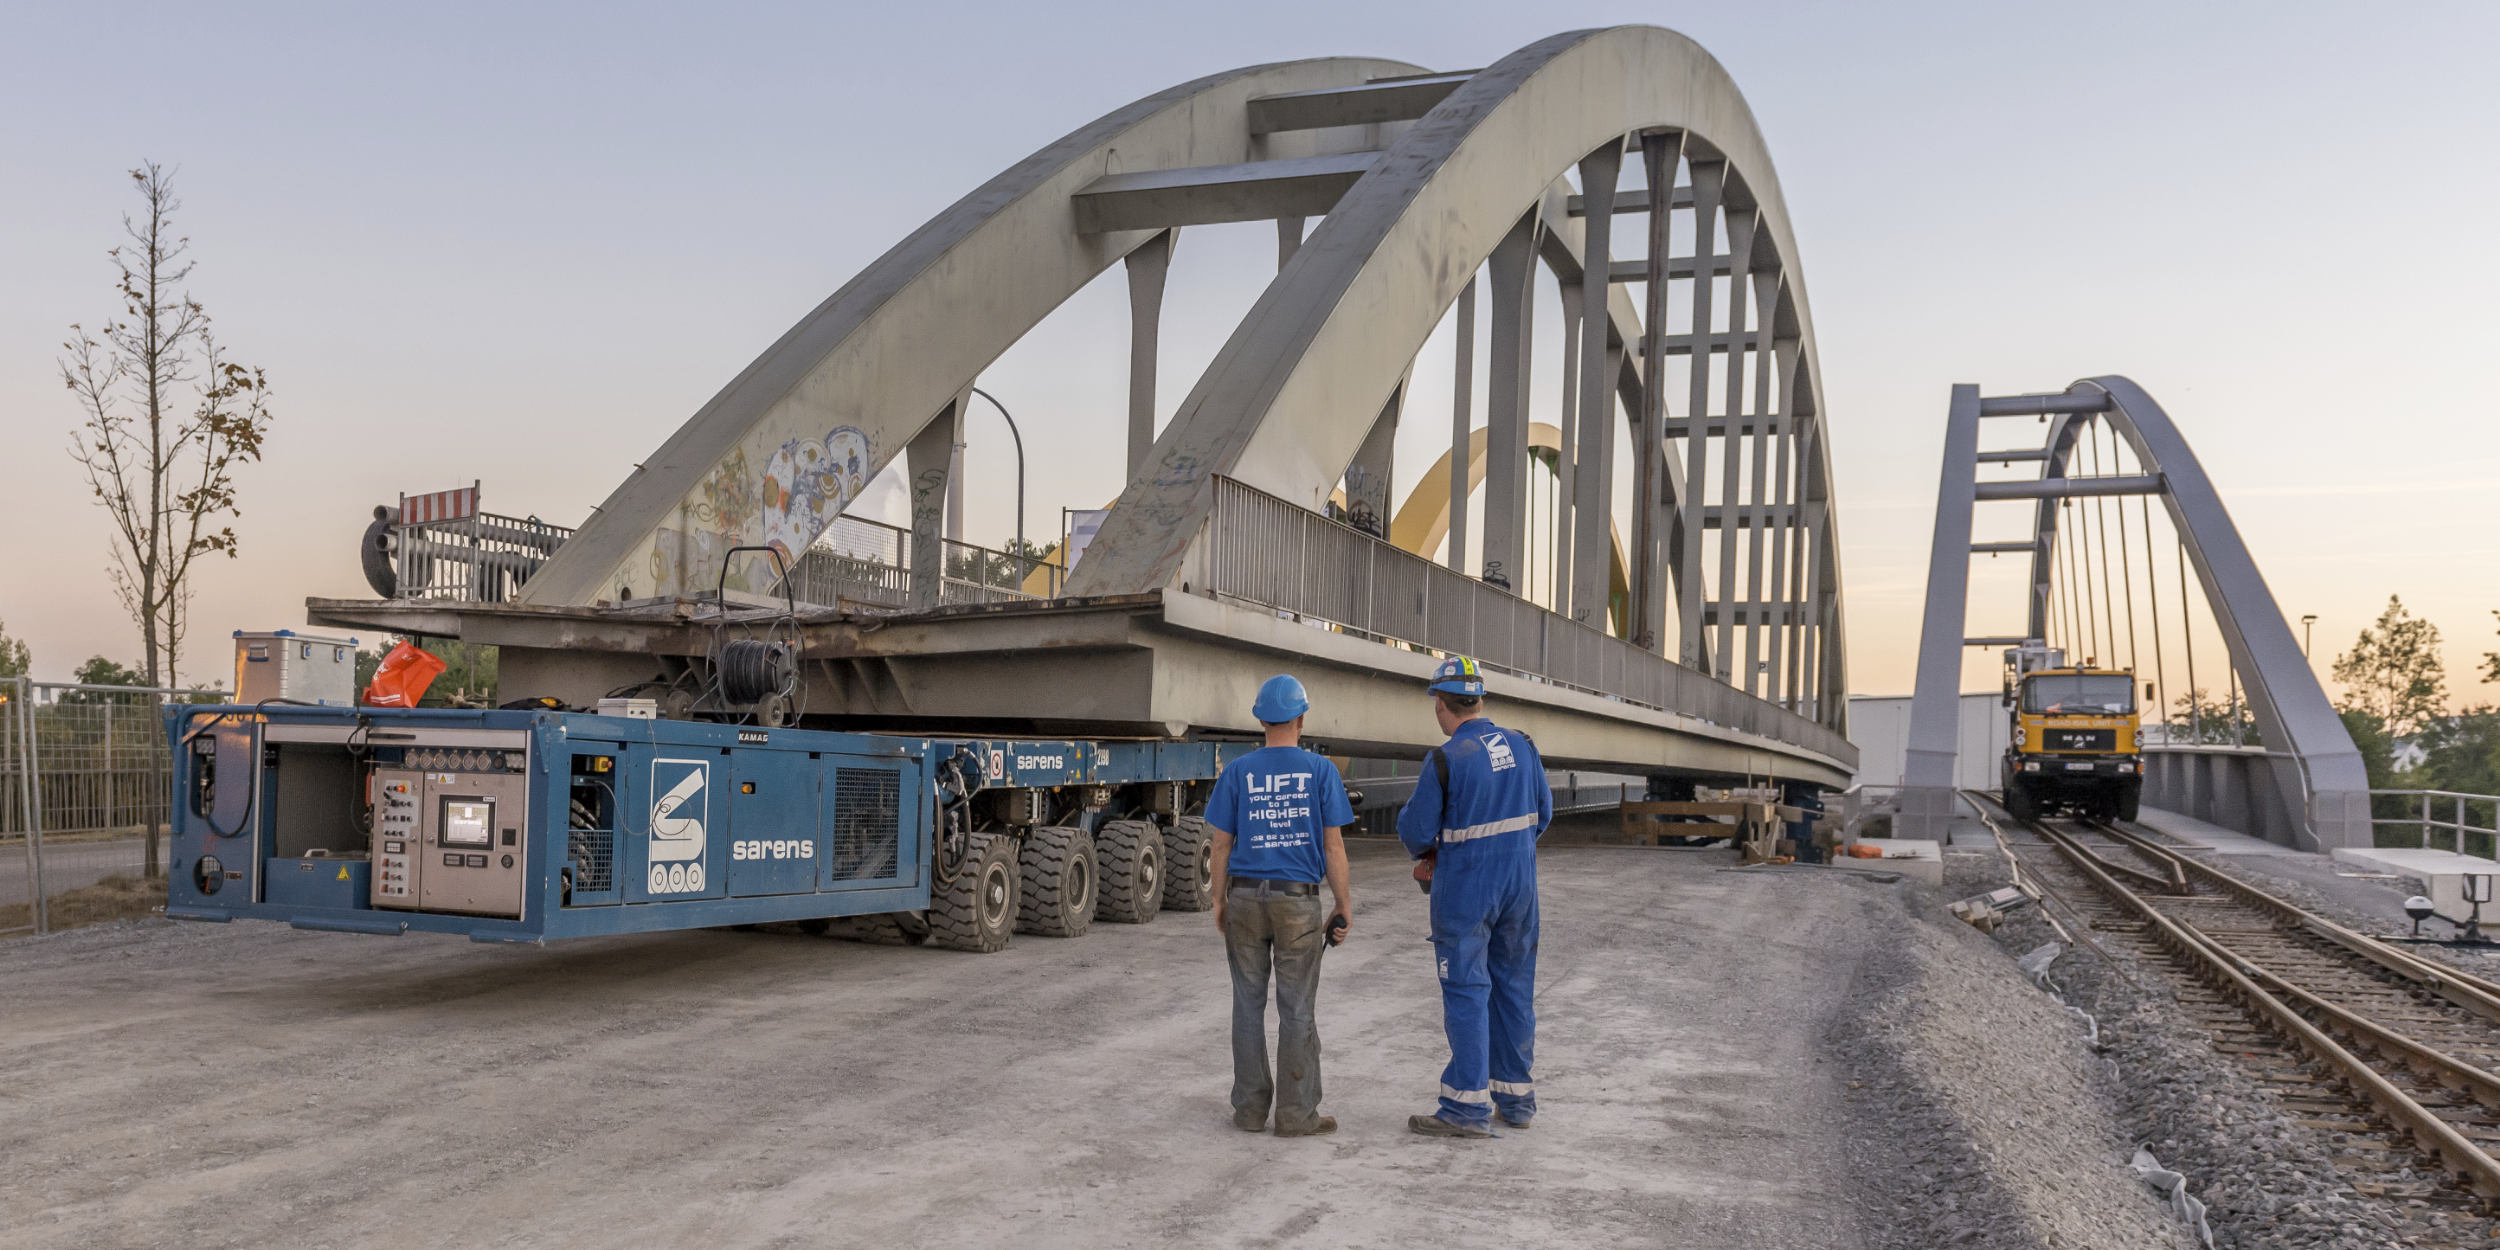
(247,1085)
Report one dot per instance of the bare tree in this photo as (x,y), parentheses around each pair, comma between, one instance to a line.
(167,418)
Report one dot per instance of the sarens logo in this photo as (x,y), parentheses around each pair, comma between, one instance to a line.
(786,848)
(681,801)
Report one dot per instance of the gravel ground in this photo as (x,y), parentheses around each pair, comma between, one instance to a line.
(1795,1059)
(1983,1119)
(2267,1181)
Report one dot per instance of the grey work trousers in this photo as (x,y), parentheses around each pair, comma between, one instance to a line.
(1267,929)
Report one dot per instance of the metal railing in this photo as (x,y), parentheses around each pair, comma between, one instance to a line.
(482,558)
(2424,810)
(863,565)
(1266,551)
(85,782)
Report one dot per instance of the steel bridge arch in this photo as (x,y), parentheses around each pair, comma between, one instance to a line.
(1286,402)
(2316,773)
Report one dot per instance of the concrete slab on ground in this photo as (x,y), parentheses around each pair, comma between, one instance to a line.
(246,1085)
(2211,837)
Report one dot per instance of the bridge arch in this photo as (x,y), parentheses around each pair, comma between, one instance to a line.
(2317,780)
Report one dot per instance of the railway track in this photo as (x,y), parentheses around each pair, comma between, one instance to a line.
(2351,1035)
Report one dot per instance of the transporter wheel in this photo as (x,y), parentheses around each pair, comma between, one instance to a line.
(2129,802)
(884,929)
(1130,856)
(1059,880)
(977,910)
(1189,865)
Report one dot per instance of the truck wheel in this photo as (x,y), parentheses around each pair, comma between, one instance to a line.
(1058,895)
(2129,802)
(883,929)
(2018,803)
(1189,865)
(1130,855)
(977,910)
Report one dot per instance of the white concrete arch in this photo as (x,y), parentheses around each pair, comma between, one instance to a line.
(900,342)
(1288,401)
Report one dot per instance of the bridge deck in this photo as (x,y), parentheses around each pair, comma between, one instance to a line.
(1155,665)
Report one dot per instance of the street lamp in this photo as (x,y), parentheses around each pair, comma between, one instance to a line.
(2305,623)
(1019,436)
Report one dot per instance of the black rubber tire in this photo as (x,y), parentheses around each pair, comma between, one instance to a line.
(381,566)
(2018,802)
(1060,880)
(977,910)
(1129,855)
(2129,802)
(1189,865)
(882,929)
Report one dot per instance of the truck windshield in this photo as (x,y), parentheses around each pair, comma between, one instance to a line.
(2103,693)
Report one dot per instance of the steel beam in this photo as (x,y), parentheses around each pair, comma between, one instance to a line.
(1651,522)
(1927,775)
(2072,487)
(1157,199)
(1634,201)
(2041,405)
(1677,267)
(1368,496)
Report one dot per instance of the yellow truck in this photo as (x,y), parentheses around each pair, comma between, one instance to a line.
(2073,745)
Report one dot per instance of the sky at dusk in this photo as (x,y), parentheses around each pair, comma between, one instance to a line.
(521,243)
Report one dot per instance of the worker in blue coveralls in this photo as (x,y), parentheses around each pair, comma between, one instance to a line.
(1480,804)
(1279,816)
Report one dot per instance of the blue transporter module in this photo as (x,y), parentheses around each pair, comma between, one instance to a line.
(532,825)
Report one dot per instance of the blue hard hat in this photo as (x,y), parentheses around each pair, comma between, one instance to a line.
(1281,698)
(1458,675)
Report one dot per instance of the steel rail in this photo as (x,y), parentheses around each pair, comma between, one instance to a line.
(2462,988)
(2231,974)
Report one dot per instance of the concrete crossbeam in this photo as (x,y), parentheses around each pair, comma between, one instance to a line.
(1385,100)
(1157,199)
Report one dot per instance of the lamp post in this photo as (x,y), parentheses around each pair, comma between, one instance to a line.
(2305,623)
(1019,437)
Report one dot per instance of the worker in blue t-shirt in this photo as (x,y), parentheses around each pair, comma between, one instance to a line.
(1480,803)
(1279,816)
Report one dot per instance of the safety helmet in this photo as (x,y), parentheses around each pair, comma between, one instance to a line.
(1281,698)
(1458,675)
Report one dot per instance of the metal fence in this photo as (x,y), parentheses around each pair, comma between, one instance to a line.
(1266,551)
(2468,823)
(85,779)
(483,558)
(859,564)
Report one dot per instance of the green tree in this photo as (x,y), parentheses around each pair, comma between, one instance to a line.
(2462,752)
(2195,717)
(2394,672)
(14,661)
(2491,659)
(99,671)
(2378,751)
(167,419)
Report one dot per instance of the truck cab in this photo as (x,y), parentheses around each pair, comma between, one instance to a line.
(2073,744)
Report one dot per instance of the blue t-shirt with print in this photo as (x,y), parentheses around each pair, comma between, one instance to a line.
(1274,802)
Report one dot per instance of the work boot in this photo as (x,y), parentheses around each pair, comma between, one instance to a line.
(1519,1122)
(1317,1126)
(1435,1126)
(1250,1121)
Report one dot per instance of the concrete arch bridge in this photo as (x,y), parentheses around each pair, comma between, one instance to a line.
(1692,629)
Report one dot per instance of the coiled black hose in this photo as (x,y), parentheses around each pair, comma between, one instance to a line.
(751,670)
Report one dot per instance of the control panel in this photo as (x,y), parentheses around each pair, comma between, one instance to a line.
(447,832)
(394,838)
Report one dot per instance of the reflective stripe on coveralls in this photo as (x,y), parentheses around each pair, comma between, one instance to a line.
(1482,827)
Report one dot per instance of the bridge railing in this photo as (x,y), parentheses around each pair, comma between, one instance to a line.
(2469,823)
(863,565)
(1266,551)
